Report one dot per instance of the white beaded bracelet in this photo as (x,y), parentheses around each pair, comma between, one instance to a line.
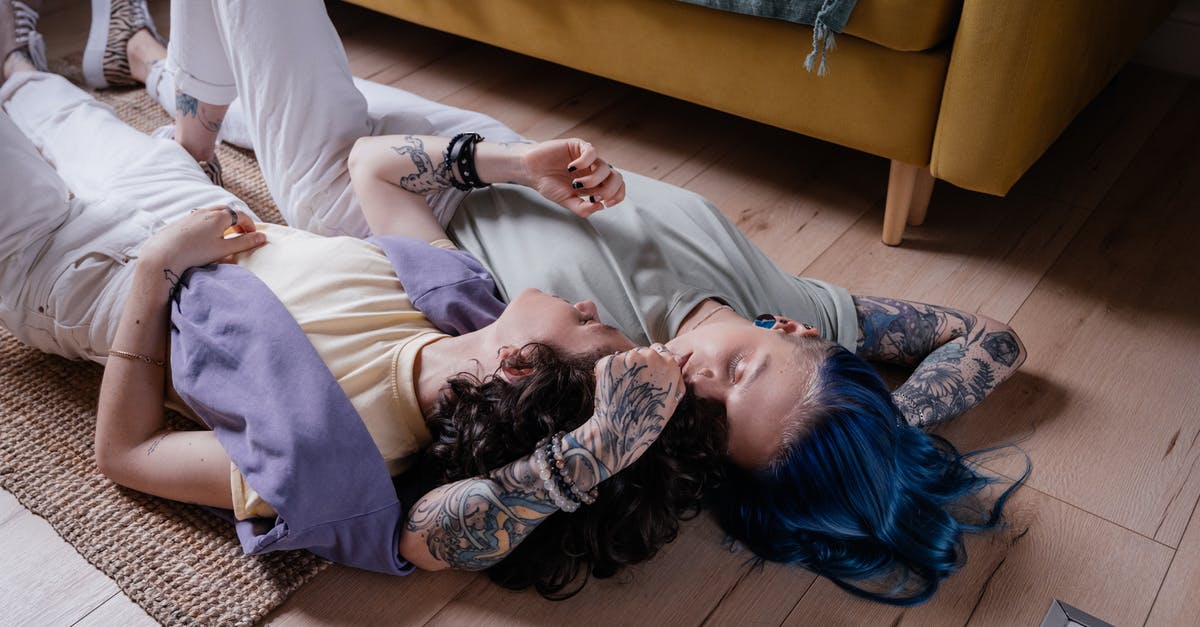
(560,461)
(548,482)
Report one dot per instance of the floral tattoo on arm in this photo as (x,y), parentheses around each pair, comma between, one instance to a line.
(429,177)
(959,358)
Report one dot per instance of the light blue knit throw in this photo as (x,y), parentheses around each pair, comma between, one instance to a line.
(825,16)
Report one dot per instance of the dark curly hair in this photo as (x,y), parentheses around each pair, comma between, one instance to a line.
(482,424)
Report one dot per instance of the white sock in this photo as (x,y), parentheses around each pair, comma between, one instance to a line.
(160,86)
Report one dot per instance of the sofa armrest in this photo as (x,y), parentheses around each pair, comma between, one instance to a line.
(1020,70)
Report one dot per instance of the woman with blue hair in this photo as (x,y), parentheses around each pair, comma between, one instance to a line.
(858,496)
(825,467)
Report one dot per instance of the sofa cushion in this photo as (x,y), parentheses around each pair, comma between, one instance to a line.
(908,25)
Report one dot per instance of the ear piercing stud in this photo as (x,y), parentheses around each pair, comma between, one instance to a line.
(765,321)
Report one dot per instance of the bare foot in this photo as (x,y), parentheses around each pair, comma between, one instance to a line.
(17,61)
(143,50)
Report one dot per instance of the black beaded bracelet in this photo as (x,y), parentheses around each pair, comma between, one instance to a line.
(557,486)
(557,469)
(461,153)
(558,445)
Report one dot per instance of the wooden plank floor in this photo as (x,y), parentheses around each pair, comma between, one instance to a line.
(1087,258)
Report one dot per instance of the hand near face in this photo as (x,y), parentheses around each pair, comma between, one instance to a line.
(571,173)
(636,393)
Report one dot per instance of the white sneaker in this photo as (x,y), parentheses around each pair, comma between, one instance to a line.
(105,59)
(18,31)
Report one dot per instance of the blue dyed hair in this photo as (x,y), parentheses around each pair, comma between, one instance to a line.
(860,497)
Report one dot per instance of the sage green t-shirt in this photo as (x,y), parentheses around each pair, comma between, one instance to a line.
(645,262)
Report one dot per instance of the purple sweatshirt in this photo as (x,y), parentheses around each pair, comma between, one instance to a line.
(302,445)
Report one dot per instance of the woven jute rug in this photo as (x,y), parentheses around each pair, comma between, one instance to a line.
(181,563)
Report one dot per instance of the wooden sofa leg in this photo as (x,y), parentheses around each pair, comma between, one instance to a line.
(899,199)
(922,192)
(909,187)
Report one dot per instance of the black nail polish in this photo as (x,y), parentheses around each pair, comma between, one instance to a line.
(577,185)
(571,169)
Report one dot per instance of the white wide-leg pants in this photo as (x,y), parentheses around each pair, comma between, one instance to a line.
(83,191)
(65,255)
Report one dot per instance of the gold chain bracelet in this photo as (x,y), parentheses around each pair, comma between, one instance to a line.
(136,357)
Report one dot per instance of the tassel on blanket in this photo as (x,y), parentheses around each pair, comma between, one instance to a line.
(823,41)
(821,45)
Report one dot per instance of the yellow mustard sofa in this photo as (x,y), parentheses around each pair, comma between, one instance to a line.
(970,92)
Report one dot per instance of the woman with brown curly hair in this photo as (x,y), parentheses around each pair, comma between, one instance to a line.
(482,427)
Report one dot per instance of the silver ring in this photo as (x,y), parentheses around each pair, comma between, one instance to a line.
(232,214)
(660,348)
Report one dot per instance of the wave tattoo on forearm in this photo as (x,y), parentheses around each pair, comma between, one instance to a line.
(628,411)
(475,523)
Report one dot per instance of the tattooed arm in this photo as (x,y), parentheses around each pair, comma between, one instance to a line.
(393,174)
(474,523)
(959,358)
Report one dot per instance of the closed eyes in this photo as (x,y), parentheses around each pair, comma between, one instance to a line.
(733,364)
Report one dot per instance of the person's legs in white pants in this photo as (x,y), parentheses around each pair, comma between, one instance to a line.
(391,111)
(302,111)
(204,83)
(65,289)
(35,204)
(300,106)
